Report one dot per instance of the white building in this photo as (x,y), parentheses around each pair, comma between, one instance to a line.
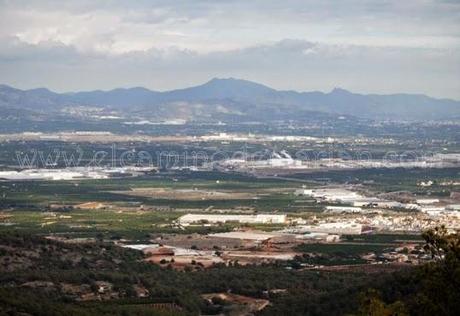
(343,209)
(332,195)
(453,207)
(433,211)
(305,192)
(251,235)
(427,201)
(347,228)
(218,218)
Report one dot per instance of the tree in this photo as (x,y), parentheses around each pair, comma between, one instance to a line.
(372,305)
(439,292)
(434,288)
(438,242)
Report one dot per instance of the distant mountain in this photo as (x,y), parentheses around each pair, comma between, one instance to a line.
(36,99)
(233,98)
(118,97)
(239,90)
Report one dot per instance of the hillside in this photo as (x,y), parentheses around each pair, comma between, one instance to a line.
(230,99)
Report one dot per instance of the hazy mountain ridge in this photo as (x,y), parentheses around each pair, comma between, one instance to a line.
(237,97)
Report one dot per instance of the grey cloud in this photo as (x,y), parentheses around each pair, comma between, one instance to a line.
(288,64)
(365,46)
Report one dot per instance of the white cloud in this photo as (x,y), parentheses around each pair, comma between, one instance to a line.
(363,45)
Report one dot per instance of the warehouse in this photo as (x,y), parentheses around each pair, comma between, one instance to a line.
(342,209)
(246,235)
(218,218)
(340,228)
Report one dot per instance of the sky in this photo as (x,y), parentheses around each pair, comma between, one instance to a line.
(386,46)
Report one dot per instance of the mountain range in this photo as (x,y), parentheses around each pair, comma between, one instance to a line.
(229,99)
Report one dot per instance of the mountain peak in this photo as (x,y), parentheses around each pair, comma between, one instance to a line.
(231,80)
(132,89)
(338,90)
(236,84)
(40,90)
(217,79)
(242,96)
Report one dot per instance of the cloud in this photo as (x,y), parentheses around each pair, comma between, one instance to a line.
(389,46)
(117,27)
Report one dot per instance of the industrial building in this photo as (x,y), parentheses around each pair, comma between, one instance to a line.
(342,209)
(331,195)
(427,201)
(453,207)
(276,160)
(340,228)
(71,173)
(218,218)
(246,235)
